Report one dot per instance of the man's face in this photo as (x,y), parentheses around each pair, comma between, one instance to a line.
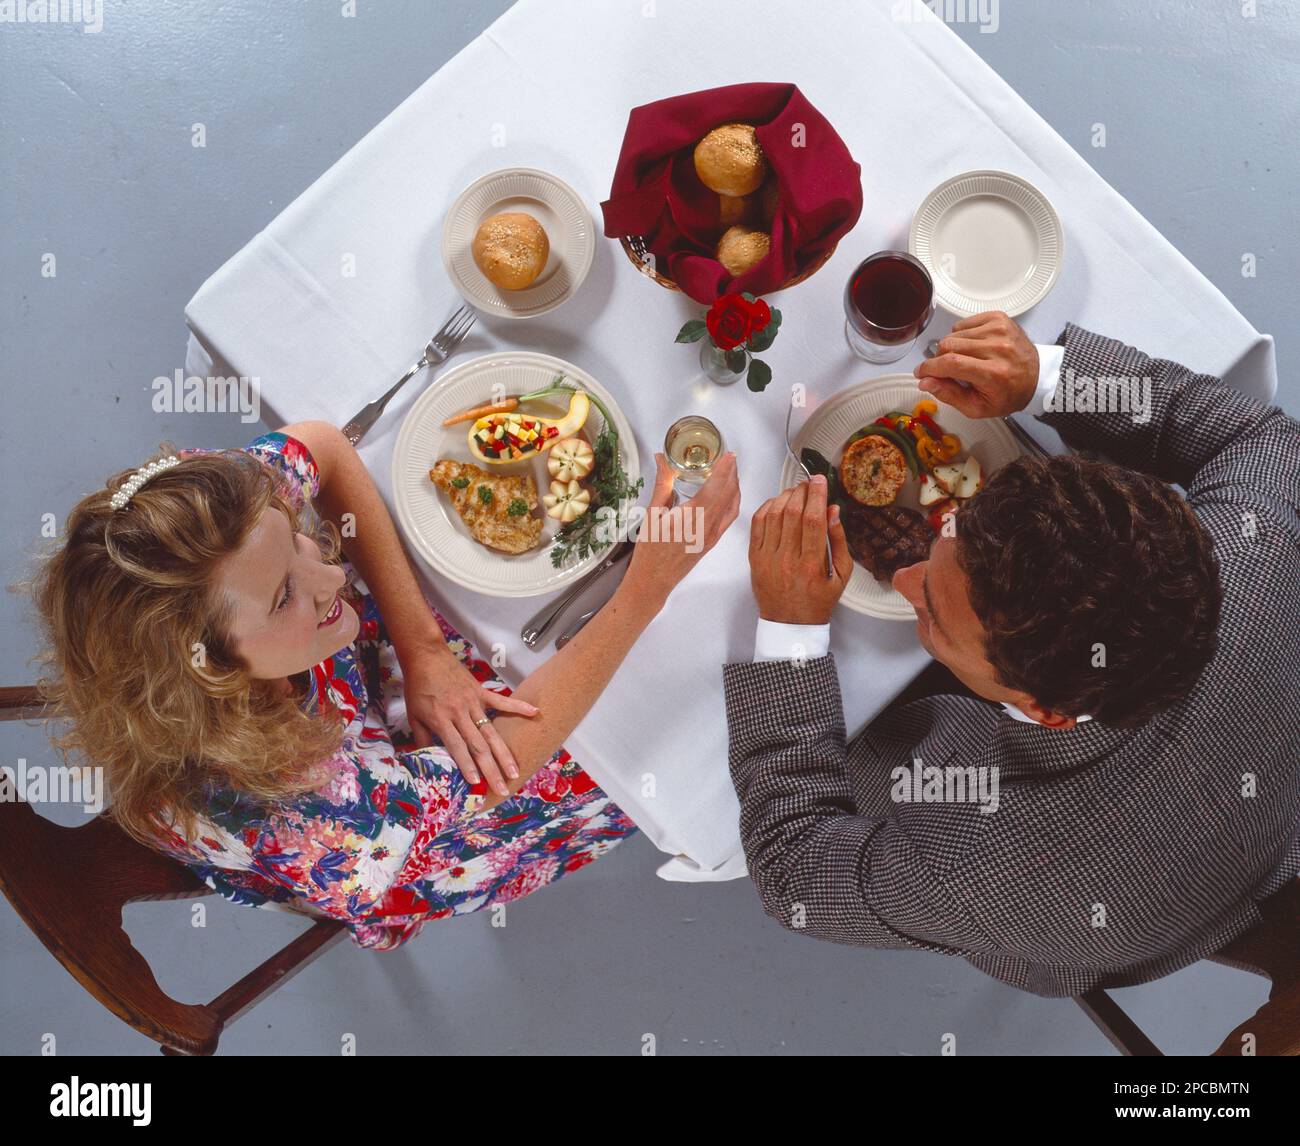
(950,631)
(945,623)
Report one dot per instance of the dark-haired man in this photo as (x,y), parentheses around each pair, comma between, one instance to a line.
(1123,786)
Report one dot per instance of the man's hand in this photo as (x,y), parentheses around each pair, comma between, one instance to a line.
(991,353)
(787,556)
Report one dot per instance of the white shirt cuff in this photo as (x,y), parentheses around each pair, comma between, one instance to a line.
(1049,374)
(775,641)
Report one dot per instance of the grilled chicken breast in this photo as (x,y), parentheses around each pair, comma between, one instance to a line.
(488,514)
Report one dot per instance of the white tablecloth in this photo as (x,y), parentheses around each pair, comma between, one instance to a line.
(550,85)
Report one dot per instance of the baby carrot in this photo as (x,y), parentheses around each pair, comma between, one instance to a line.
(482,412)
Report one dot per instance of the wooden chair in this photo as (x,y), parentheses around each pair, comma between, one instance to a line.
(70,884)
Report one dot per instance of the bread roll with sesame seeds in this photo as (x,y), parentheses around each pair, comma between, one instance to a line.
(741,248)
(511,249)
(730,161)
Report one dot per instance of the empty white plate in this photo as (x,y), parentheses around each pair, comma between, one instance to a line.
(425,515)
(562,214)
(990,240)
(832,423)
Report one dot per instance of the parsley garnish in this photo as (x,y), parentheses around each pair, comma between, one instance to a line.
(485,494)
(460,483)
(517,507)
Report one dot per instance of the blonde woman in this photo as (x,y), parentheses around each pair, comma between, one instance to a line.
(308,733)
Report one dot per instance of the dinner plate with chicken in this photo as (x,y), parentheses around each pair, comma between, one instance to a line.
(900,466)
(507,470)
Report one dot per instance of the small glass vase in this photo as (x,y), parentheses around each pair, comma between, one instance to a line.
(723,367)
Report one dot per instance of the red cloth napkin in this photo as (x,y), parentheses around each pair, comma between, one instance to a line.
(656,193)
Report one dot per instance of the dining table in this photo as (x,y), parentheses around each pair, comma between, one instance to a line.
(330,303)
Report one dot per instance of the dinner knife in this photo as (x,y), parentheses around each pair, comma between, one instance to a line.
(572,631)
(541,623)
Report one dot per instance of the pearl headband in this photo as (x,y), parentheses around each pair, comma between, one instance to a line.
(129,487)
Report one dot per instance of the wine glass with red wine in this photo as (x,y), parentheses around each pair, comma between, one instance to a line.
(889,301)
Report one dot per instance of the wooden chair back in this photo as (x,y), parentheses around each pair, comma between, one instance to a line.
(70,885)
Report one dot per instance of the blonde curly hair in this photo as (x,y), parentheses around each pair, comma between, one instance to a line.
(138,656)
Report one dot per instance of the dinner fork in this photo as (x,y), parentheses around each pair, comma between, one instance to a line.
(1023,436)
(807,475)
(439,349)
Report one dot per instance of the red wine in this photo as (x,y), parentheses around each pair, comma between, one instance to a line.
(890,298)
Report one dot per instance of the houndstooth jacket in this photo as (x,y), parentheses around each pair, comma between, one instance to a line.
(1115,855)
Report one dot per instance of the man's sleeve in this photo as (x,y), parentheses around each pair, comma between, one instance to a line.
(821,869)
(1050,360)
(776,641)
(1156,416)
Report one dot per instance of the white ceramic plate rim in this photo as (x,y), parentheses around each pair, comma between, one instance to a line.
(410,476)
(947,293)
(864,594)
(458,233)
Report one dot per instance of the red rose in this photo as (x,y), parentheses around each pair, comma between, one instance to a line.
(733,318)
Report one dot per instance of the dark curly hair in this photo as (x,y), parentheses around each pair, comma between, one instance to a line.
(1064,554)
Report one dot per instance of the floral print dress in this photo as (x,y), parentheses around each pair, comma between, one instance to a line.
(395,836)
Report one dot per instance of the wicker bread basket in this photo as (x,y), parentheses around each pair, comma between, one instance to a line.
(642,259)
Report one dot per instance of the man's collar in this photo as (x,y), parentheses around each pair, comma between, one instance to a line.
(1016,714)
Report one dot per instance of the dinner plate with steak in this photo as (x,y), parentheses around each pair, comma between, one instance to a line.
(900,465)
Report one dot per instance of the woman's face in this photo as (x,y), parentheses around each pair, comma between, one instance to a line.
(285,612)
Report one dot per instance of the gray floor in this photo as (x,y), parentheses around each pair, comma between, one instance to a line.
(1202,108)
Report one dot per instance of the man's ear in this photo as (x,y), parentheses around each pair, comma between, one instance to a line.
(1045,716)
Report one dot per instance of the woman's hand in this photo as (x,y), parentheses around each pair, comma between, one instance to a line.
(444,700)
(674,537)
(669,544)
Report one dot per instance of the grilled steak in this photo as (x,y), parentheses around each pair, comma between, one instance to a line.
(488,514)
(886,538)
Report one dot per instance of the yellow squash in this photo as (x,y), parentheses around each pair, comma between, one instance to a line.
(501,438)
